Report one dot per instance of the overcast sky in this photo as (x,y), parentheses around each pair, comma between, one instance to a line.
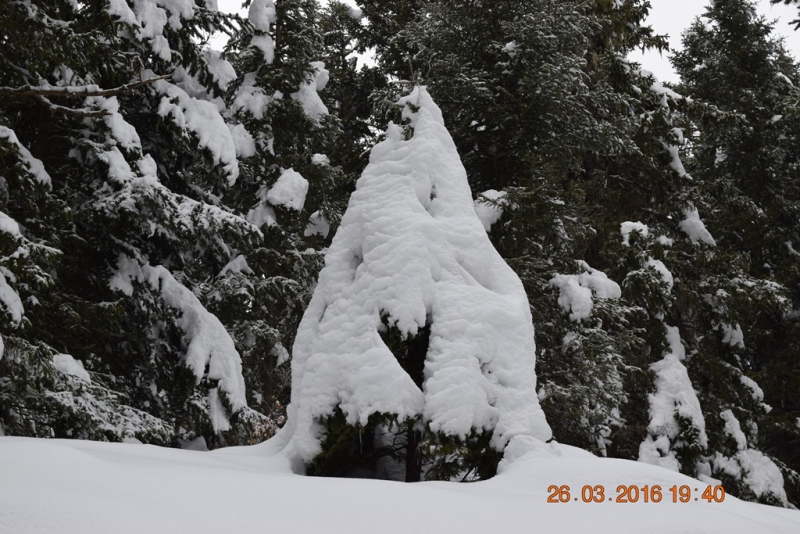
(672,17)
(668,17)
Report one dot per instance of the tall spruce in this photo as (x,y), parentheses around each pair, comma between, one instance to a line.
(744,153)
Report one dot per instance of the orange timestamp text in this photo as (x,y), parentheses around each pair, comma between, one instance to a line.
(630,494)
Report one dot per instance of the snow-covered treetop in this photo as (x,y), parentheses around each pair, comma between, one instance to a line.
(411,252)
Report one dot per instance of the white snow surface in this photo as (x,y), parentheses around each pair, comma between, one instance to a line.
(220,68)
(236,265)
(628,226)
(122,132)
(674,394)
(489,213)
(757,392)
(261,214)
(674,341)
(35,166)
(266,45)
(289,190)
(150,17)
(243,141)
(70,366)
(208,343)
(48,486)
(695,228)
(577,291)
(357,14)
(121,9)
(320,159)
(410,247)
(308,95)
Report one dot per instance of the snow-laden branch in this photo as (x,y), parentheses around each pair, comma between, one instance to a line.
(82,91)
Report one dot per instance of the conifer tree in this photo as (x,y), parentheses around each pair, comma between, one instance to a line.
(114,176)
(745,153)
(349,92)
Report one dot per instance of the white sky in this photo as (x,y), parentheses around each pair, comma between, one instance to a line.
(669,17)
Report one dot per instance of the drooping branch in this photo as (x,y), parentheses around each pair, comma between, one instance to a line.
(82,91)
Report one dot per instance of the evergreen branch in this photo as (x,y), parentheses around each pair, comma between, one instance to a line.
(86,91)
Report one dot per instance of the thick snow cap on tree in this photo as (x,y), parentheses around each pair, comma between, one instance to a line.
(411,249)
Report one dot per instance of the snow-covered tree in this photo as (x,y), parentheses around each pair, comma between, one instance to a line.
(415,358)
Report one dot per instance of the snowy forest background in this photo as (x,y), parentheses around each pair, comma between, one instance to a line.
(165,210)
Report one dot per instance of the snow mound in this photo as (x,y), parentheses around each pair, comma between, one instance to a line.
(317,225)
(9,226)
(665,273)
(732,335)
(252,99)
(758,471)
(262,14)
(734,429)
(674,397)
(410,250)
(11,301)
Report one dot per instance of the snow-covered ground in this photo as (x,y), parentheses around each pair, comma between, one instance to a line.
(84,487)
